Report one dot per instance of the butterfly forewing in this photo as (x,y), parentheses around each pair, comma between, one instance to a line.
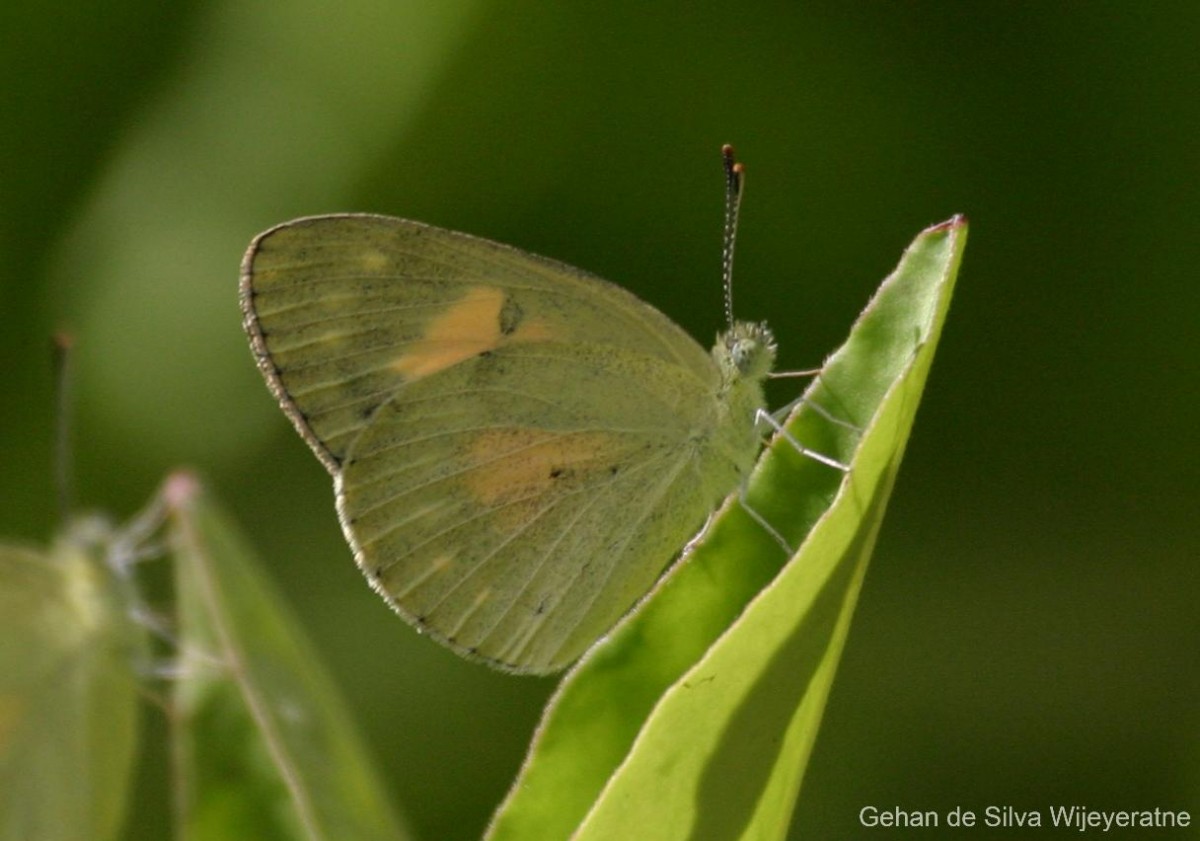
(344,310)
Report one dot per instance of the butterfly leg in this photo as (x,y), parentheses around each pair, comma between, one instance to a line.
(780,414)
(762,521)
(784,411)
(784,375)
(138,540)
(766,417)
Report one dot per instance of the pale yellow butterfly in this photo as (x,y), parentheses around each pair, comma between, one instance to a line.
(518,448)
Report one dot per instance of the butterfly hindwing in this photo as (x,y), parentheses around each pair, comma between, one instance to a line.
(500,511)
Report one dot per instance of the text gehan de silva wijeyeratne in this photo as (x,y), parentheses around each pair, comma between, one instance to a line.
(1079,818)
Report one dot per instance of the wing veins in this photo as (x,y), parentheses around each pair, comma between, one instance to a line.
(548,554)
(495,552)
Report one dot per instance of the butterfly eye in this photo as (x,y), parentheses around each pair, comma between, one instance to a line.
(751,348)
(742,351)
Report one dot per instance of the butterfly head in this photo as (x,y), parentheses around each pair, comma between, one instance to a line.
(747,349)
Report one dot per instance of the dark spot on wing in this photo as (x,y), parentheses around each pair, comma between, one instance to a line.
(511,315)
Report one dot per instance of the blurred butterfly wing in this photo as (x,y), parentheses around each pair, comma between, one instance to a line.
(68,696)
(512,441)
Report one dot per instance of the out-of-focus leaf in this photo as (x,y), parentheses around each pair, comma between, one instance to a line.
(264,748)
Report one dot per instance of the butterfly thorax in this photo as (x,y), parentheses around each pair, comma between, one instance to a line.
(743,355)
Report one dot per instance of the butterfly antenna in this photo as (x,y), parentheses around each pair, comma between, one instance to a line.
(734,178)
(60,349)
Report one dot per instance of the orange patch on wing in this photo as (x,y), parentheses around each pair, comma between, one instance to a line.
(526,464)
(469,327)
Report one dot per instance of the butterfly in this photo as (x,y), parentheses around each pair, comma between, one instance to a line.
(518,448)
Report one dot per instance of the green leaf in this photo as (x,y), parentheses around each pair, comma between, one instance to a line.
(68,689)
(263,744)
(697,716)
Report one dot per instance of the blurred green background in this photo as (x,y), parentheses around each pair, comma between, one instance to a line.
(1029,633)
